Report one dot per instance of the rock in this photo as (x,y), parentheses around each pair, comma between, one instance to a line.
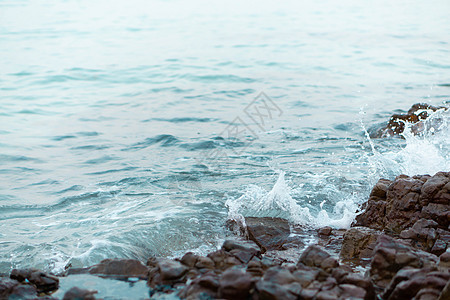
(325,231)
(444,261)
(171,270)
(412,283)
(223,260)
(316,256)
(24,291)
(120,267)
(6,287)
(76,293)
(392,255)
(44,282)
(189,259)
(423,233)
(268,233)
(279,275)
(235,284)
(445,294)
(415,116)
(359,243)
(243,251)
(204,287)
(406,201)
(271,291)
(204,263)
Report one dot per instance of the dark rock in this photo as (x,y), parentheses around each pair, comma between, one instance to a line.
(204,287)
(268,233)
(44,282)
(120,267)
(392,255)
(445,294)
(316,256)
(235,284)
(76,293)
(325,231)
(410,283)
(189,259)
(204,263)
(24,291)
(350,291)
(359,243)
(444,261)
(279,275)
(268,290)
(171,270)
(223,260)
(415,116)
(6,287)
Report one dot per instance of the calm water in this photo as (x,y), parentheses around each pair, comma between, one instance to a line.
(110,109)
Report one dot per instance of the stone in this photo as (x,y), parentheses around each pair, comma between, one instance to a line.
(235,284)
(6,286)
(279,275)
(189,259)
(415,116)
(408,283)
(204,263)
(120,268)
(390,256)
(44,282)
(325,231)
(316,256)
(272,291)
(268,233)
(171,270)
(358,243)
(76,293)
(444,261)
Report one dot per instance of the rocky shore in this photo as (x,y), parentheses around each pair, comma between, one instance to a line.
(397,248)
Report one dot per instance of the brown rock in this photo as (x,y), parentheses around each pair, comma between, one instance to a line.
(325,231)
(316,256)
(6,287)
(268,233)
(235,284)
(44,282)
(121,268)
(359,243)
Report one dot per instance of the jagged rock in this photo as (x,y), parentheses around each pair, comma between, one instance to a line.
(392,255)
(268,233)
(316,256)
(424,283)
(415,115)
(223,260)
(204,287)
(120,267)
(267,290)
(359,243)
(243,251)
(76,293)
(43,282)
(235,284)
(406,201)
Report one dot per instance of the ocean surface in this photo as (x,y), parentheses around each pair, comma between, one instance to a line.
(137,128)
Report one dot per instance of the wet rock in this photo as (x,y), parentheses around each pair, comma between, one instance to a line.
(445,294)
(268,233)
(171,270)
(204,287)
(120,267)
(6,287)
(305,276)
(24,291)
(243,251)
(223,260)
(415,116)
(204,263)
(406,201)
(359,243)
(76,293)
(444,261)
(392,255)
(43,282)
(416,283)
(316,256)
(267,290)
(279,275)
(189,259)
(235,284)
(423,233)
(325,231)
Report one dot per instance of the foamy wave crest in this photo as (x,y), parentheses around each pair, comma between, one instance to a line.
(426,149)
(278,202)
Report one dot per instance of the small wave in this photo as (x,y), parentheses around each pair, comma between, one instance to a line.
(165,140)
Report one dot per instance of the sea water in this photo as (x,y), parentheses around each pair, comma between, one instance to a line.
(116,118)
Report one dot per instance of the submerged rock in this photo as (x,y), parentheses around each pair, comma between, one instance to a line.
(120,268)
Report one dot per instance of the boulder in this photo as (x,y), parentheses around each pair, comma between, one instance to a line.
(359,243)
(391,255)
(268,233)
(415,116)
(316,256)
(235,283)
(120,268)
(43,282)
(426,283)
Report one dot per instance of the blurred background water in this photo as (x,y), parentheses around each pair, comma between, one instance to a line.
(107,109)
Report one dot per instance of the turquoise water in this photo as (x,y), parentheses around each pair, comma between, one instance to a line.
(109,110)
